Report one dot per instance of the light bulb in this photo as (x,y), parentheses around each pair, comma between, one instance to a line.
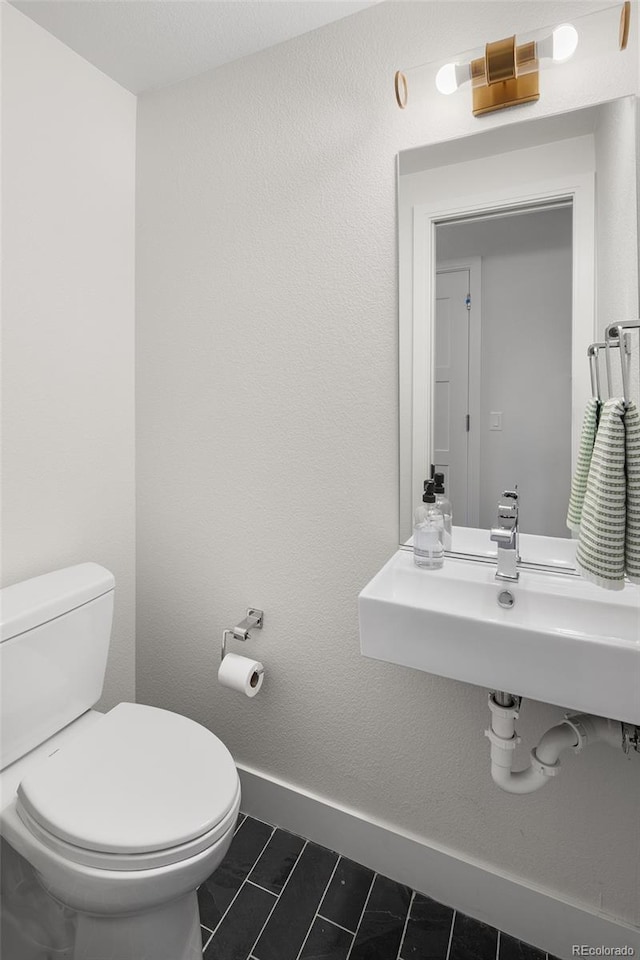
(452,76)
(565,41)
(446,80)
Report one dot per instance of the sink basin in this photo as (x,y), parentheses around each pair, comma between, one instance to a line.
(564,640)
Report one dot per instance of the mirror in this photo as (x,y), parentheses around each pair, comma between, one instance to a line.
(518,246)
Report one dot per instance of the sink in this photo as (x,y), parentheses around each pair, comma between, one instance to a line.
(563,641)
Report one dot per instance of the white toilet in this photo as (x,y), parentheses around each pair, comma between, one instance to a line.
(109,822)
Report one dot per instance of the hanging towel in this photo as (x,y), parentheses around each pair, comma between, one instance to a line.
(579,482)
(601,547)
(632,455)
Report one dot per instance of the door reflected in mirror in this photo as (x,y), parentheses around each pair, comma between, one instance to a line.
(502,391)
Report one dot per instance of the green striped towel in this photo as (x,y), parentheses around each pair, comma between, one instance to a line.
(579,482)
(632,454)
(601,547)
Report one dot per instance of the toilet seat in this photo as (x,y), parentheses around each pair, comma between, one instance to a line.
(135,861)
(142,788)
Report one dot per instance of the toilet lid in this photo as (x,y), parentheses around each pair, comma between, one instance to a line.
(140,780)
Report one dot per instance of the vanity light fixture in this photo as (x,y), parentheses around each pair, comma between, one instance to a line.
(506,72)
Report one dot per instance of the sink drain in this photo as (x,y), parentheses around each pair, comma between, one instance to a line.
(506,599)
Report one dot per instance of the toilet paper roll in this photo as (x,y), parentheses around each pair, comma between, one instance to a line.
(241,673)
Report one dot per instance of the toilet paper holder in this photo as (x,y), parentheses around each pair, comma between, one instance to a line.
(253,620)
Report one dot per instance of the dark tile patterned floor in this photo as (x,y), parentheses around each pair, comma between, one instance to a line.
(280,897)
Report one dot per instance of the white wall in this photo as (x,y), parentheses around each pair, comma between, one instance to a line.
(68,145)
(267,457)
(617,213)
(525,361)
(617,222)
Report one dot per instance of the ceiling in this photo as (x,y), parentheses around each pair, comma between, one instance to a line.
(145,44)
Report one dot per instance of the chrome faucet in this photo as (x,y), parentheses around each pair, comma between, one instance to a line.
(506,536)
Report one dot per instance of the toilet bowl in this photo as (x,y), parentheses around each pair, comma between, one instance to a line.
(110,825)
(121,842)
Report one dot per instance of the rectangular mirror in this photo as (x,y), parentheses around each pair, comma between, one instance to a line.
(518,246)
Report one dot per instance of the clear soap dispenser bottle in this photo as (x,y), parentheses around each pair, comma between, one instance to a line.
(428,531)
(445,507)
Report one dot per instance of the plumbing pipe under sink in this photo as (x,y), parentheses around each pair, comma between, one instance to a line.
(575,732)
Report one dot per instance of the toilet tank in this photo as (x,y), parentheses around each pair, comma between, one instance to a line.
(54,640)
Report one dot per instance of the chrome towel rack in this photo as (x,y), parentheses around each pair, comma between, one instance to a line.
(616,336)
(593,353)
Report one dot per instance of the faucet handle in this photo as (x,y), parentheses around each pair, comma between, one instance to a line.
(508,510)
(512,494)
(505,536)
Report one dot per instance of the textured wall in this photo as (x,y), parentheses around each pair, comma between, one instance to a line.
(267,458)
(68,145)
(617,219)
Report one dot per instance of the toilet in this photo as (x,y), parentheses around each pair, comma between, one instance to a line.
(108,822)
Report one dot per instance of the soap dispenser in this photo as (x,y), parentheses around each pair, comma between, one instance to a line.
(428,531)
(445,506)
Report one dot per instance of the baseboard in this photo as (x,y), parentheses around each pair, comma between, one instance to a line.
(526,912)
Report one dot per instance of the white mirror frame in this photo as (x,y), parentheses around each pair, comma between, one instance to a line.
(417,313)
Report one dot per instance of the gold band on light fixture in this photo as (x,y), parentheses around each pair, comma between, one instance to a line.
(401,88)
(500,60)
(507,75)
(625,22)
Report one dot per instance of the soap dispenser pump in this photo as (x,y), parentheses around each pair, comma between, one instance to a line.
(428,531)
(445,506)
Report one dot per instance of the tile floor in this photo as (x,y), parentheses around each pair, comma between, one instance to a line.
(280,897)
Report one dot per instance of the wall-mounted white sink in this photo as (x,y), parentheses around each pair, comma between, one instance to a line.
(564,641)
